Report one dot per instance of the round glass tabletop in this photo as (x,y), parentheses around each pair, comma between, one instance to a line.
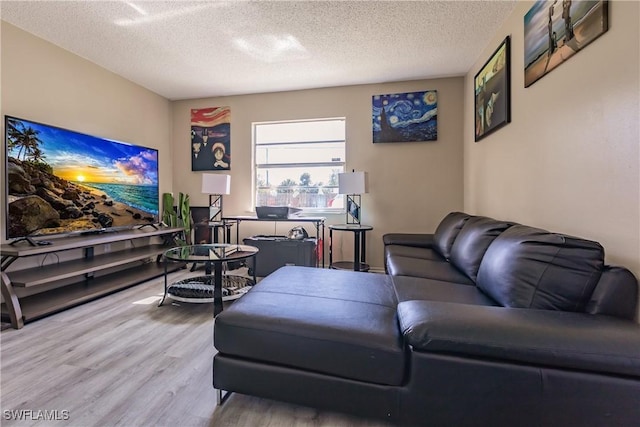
(210,253)
(350,227)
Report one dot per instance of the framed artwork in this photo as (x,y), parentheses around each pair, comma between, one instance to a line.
(555,30)
(202,231)
(211,139)
(492,91)
(353,209)
(405,117)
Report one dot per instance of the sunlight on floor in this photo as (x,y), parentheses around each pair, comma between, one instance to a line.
(149,300)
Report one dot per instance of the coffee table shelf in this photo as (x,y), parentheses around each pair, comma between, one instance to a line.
(201,288)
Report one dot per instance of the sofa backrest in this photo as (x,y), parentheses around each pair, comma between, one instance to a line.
(447,231)
(616,294)
(474,238)
(528,267)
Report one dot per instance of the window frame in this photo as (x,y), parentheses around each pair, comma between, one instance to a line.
(306,211)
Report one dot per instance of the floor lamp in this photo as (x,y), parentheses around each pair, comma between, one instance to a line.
(353,184)
(216,185)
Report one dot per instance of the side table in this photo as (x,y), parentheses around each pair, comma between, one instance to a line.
(359,247)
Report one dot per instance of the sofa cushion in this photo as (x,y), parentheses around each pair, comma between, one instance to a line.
(418,240)
(532,268)
(426,268)
(415,288)
(576,341)
(472,242)
(447,232)
(332,322)
(412,252)
(616,294)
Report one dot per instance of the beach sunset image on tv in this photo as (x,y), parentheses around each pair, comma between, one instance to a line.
(61,181)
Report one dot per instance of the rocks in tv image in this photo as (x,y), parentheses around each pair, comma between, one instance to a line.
(61,181)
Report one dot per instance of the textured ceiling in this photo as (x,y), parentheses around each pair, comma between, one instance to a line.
(187,49)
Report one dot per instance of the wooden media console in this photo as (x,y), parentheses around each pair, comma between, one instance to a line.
(32,293)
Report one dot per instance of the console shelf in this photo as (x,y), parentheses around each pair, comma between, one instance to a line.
(67,269)
(46,303)
(55,287)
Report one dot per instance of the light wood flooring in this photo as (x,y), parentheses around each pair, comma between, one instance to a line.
(123,361)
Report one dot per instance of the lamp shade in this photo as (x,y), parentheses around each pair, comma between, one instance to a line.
(353,183)
(216,183)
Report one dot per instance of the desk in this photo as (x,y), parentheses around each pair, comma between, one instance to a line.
(207,288)
(359,247)
(318,222)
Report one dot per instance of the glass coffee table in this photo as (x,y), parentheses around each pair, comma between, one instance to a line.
(213,286)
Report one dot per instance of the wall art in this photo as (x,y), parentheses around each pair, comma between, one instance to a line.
(492,91)
(405,117)
(555,30)
(211,139)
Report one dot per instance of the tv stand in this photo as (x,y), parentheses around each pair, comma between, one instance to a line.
(32,293)
(25,239)
(92,232)
(148,225)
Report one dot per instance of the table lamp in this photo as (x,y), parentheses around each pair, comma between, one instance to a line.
(353,184)
(215,185)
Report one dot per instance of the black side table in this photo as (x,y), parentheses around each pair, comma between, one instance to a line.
(359,247)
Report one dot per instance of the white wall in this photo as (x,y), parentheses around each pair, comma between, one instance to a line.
(569,161)
(44,83)
(412,185)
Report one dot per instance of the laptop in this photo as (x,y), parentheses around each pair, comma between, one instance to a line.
(276,212)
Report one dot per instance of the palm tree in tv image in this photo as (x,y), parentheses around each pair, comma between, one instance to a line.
(25,140)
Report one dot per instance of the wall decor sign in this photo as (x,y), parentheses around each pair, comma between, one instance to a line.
(555,30)
(492,90)
(211,139)
(405,117)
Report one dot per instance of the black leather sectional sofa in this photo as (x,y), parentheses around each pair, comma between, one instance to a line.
(483,323)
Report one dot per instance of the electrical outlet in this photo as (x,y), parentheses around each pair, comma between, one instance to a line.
(107,248)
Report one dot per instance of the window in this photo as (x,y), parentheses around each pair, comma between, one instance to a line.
(297,164)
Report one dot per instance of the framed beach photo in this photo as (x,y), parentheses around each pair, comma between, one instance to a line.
(492,92)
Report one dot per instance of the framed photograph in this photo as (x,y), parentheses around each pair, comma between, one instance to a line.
(492,87)
(405,117)
(555,31)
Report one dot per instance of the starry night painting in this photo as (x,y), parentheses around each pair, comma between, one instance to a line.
(405,117)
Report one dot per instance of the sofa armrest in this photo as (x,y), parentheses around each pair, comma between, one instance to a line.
(417,240)
(541,337)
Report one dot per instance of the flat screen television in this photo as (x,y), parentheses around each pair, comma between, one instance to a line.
(60,181)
